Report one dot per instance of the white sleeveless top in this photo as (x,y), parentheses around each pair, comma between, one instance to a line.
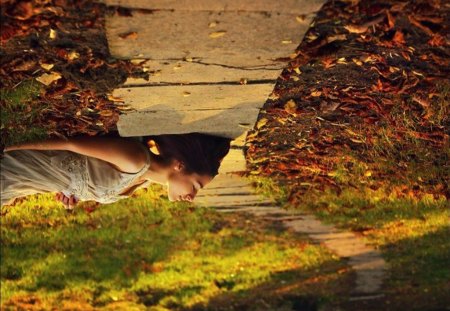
(25,172)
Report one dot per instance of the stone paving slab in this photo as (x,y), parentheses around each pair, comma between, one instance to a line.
(195,97)
(239,39)
(301,7)
(233,162)
(220,122)
(194,71)
(223,110)
(232,200)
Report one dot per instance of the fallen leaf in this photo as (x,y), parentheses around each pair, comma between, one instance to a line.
(290,106)
(73,55)
(316,93)
(212,24)
(357,62)
(129,35)
(286,41)
(437,40)
(391,20)
(48,78)
(186,94)
(217,34)
(340,37)
(261,123)
(356,28)
(243,81)
(328,62)
(399,38)
(47,66)
(300,18)
(52,34)
(342,60)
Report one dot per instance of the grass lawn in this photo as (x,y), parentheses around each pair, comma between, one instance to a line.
(145,252)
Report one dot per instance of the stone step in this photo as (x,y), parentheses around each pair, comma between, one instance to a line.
(223,110)
(196,98)
(219,122)
(239,39)
(302,7)
(232,200)
(194,71)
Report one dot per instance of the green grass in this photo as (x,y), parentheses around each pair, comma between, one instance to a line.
(19,111)
(411,233)
(145,252)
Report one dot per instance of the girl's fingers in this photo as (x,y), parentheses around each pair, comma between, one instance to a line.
(71,202)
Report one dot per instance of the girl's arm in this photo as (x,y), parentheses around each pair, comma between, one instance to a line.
(127,155)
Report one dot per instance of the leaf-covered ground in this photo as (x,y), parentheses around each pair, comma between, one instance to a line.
(357,131)
(57,52)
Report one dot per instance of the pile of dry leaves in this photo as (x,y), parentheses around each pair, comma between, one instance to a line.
(364,102)
(61,44)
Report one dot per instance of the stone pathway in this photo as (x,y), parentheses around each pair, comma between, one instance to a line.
(213,63)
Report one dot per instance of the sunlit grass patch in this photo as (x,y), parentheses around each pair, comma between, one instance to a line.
(411,232)
(146,252)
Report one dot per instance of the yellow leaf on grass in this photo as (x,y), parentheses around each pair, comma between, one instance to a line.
(261,123)
(316,93)
(48,78)
(217,34)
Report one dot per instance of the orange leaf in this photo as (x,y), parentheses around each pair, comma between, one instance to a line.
(437,40)
(399,38)
(328,62)
(391,20)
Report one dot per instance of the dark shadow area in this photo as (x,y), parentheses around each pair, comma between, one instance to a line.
(418,275)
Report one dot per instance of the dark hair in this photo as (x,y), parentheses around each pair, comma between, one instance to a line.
(200,153)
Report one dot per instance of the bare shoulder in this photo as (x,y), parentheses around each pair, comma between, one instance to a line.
(128,155)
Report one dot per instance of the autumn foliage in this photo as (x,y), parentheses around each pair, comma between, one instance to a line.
(364,103)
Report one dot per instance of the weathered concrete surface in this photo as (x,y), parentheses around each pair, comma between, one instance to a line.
(223,110)
(239,39)
(195,97)
(301,7)
(194,71)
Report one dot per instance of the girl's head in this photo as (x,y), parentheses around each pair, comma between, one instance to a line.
(194,157)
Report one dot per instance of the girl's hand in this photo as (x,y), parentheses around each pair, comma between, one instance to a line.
(68,201)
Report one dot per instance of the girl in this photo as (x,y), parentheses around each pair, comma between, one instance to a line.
(106,169)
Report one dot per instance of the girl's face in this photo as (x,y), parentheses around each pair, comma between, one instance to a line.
(184,187)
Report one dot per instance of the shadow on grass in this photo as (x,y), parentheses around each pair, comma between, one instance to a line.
(51,249)
(420,271)
(141,254)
